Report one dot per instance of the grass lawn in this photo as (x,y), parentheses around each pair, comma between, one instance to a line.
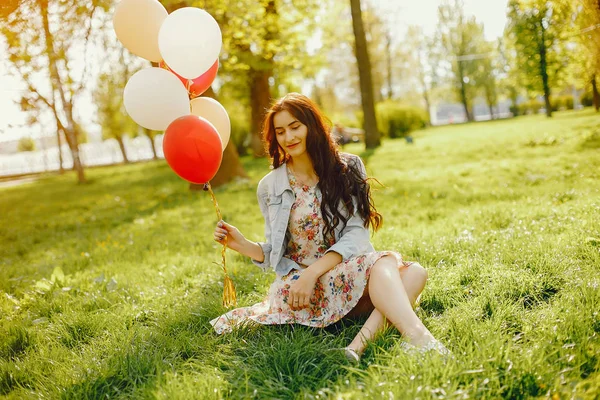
(106,289)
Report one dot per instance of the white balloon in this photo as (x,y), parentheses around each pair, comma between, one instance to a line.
(215,113)
(155,97)
(137,23)
(190,41)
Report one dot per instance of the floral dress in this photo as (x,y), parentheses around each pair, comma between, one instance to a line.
(337,291)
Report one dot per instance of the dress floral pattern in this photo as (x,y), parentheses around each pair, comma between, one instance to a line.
(337,291)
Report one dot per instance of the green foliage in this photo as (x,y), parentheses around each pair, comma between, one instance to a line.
(587,99)
(537,27)
(350,121)
(462,36)
(564,102)
(26,144)
(532,106)
(112,116)
(240,129)
(397,120)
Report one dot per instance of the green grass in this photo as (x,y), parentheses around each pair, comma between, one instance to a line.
(106,289)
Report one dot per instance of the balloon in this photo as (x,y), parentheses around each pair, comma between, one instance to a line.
(190,41)
(137,23)
(214,113)
(154,97)
(192,148)
(198,85)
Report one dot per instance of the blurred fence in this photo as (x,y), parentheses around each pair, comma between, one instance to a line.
(92,154)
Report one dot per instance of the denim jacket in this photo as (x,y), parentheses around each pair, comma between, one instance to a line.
(276,197)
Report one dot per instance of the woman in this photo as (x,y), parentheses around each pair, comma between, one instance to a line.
(318,210)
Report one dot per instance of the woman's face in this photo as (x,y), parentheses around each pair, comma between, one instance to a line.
(290,133)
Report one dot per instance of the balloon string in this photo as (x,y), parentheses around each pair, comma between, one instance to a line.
(229,296)
(188,87)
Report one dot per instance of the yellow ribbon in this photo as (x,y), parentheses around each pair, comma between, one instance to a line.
(229,297)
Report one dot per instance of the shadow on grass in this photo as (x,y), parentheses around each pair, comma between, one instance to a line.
(139,367)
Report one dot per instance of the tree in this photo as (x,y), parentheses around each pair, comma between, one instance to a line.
(459,36)
(262,40)
(112,117)
(588,19)
(44,38)
(372,139)
(423,58)
(486,73)
(510,76)
(539,30)
(231,166)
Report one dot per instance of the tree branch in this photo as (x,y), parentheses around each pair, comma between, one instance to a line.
(85,53)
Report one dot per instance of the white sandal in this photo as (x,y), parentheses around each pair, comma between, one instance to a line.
(433,345)
(350,354)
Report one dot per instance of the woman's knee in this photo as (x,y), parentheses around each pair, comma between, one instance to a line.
(386,262)
(419,273)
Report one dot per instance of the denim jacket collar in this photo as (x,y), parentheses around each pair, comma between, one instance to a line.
(282,183)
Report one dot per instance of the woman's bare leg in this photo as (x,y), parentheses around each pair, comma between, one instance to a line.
(389,297)
(413,278)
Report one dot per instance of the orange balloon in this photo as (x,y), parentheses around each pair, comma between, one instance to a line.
(199,85)
(193,149)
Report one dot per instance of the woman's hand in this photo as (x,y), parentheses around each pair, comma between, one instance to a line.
(235,239)
(301,290)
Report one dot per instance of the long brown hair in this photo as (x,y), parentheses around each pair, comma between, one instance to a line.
(339,180)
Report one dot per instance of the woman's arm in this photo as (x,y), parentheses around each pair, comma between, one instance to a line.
(258,252)
(322,265)
(302,289)
(265,247)
(252,250)
(236,241)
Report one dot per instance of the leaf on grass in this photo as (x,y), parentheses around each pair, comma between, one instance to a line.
(99,279)
(12,298)
(111,285)
(57,275)
(43,285)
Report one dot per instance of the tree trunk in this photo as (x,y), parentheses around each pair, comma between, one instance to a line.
(489,100)
(122,147)
(425,91)
(388,45)
(544,71)
(463,92)
(372,139)
(596,94)
(260,99)
(71,138)
(56,84)
(231,167)
(152,145)
(61,168)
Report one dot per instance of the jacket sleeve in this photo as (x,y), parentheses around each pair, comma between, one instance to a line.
(266,247)
(354,238)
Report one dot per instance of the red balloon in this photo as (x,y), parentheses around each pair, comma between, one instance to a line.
(199,85)
(193,149)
